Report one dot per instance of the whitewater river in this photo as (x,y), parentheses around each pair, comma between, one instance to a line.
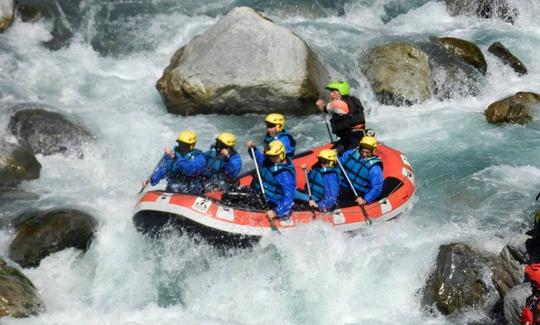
(476,181)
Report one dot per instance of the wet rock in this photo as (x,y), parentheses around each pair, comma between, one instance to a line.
(17,162)
(451,76)
(509,265)
(514,301)
(18,296)
(41,233)
(500,51)
(399,73)
(483,8)
(7,13)
(457,281)
(513,109)
(244,63)
(10,194)
(64,14)
(48,132)
(469,52)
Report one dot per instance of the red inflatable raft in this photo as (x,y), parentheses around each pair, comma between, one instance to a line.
(208,217)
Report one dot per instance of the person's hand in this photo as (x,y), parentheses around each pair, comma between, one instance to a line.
(313,204)
(360,201)
(224,152)
(145,183)
(320,104)
(271,214)
(305,166)
(168,152)
(250,144)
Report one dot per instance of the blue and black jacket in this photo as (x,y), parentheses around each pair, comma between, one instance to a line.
(365,174)
(279,181)
(285,138)
(222,169)
(324,183)
(183,172)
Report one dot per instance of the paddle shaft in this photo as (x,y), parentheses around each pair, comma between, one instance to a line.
(272,225)
(309,191)
(157,166)
(354,191)
(328,128)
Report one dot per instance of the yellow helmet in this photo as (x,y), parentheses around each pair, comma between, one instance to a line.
(330,155)
(277,119)
(227,139)
(187,137)
(275,148)
(368,142)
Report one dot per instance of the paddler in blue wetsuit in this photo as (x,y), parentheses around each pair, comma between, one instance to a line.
(324,179)
(364,170)
(278,178)
(183,166)
(223,164)
(275,130)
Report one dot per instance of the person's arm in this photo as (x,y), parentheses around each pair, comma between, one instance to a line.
(331,192)
(161,171)
(232,165)
(289,149)
(375,182)
(287,182)
(259,156)
(526,316)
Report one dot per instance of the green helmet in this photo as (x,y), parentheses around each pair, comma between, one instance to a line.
(341,86)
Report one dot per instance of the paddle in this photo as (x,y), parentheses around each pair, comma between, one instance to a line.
(272,225)
(328,128)
(308,190)
(154,170)
(369,222)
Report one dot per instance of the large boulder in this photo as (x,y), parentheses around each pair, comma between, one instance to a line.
(48,132)
(500,51)
(482,8)
(399,73)
(514,301)
(18,296)
(451,76)
(469,52)
(41,233)
(509,264)
(7,12)
(513,109)
(244,63)
(17,162)
(457,281)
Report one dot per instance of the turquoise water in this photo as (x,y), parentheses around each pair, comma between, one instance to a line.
(476,182)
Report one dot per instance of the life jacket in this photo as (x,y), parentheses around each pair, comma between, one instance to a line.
(316,180)
(279,136)
(269,171)
(358,168)
(215,161)
(180,182)
(343,123)
(531,311)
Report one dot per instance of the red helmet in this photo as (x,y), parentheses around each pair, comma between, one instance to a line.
(532,273)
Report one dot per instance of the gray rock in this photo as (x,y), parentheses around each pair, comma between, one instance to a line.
(513,109)
(41,233)
(18,296)
(17,162)
(507,272)
(457,280)
(451,76)
(469,52)
(244,63)
(514,301)
(500,51)
(7,13)
(482,8)
(399,73)
(48,132)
